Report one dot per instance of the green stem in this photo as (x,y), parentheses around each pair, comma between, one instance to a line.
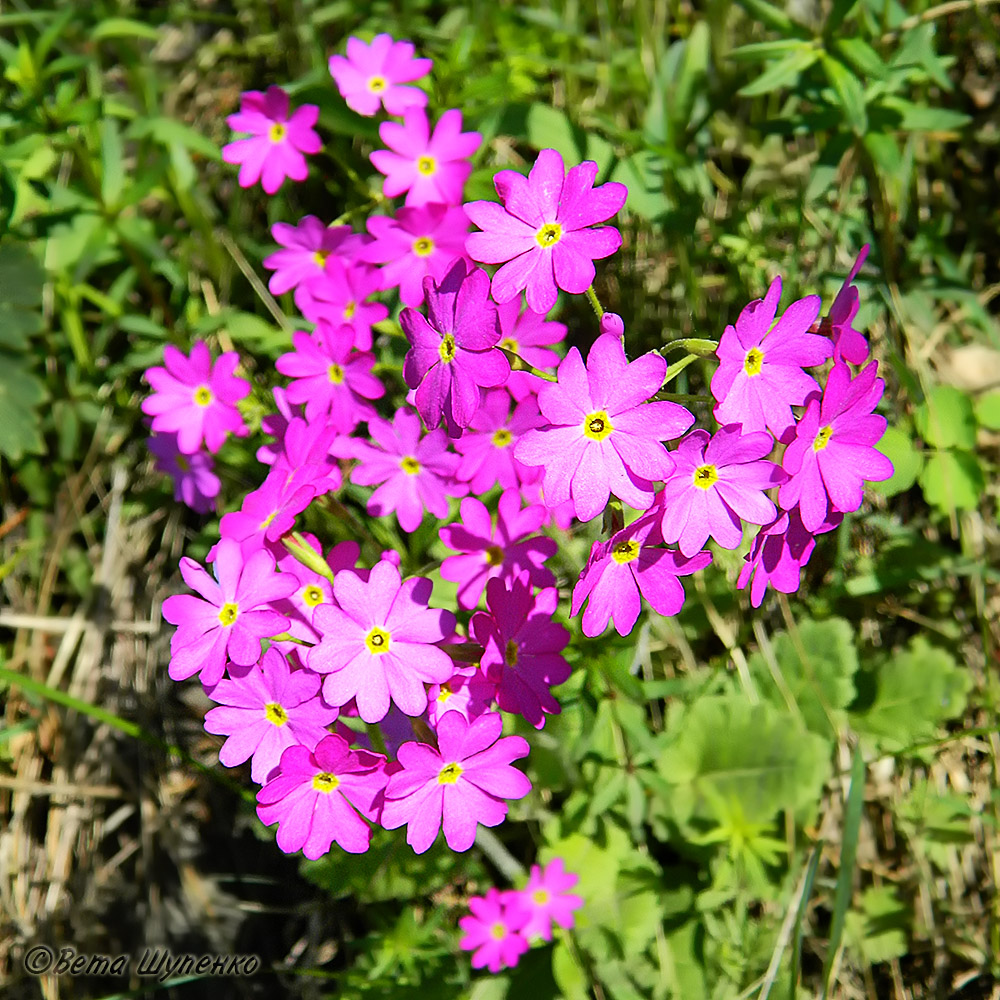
(693,345)
(677,367)
(288,637)
(376,737)
(595,302)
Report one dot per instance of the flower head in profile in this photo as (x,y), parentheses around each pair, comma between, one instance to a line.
(195,484)
(304,251)
(453,350)
(278,141)
(492,931)
(542,232)
(848,344)
(372,75)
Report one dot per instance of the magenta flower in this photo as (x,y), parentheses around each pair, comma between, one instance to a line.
(378,643)
(230,618)
(304,458)
(453,351)
(330,377)
(492,930)
(195,484)
(371,75)
(834,452)
(848,344)
(487,446)
(468,691)
(715,483)
(429,168)
(604,437)
(268,512)
(339,297)
(195,399)
(522,647)
(541,232)
(505,551)
(275,150)
(276,425)
(419,241)
(760,377)
(546,897)
(529,334)
(461,784)
(266,710)
(316,796)
(416,473)
(305,249)
(612,323)
(631,563)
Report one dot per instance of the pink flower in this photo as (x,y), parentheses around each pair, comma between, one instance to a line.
(268,512)
(195,484)
(233,617)
(378,643)
(760,377)
(492,930)
(631,563)
(715,483)
(612,323)
(779,552)
(427,167)
(834,451)
(371,75)
(848,344)
(453,351)
(419,241)
(306,248)
(522,647)
(266,710)
(275,424)
(604,437)
(317,795)
(459,785)
(468,691)
(195,399)
(339,297)
(546,897)
(529,334)
(416,472)
(275,150)
(330,377)
(542,229)
(504,551)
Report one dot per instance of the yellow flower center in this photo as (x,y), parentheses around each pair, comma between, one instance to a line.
(228,613)
(410,465)
(423,247)
(625,552)
(319,257)
(502,437)
(498,932)
(377,84)
(510,653)
(822,438)
(426,165)
(509,344)
(597,426)
(754,361)
(444,694)
(705,477)
(494,555)
(377,641)
(313,595)
(449,774)
(540,897)
(335,374)
(202,395)
(446,349)
(350,309)
(277,132)
(325,782)
(275,713)
(549,234)
(266,523)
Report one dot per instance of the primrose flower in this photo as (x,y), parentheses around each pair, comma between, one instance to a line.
(339,297)
(195,484)
(834,451)
(505,551)
(305,249)
(429,168)
(330,377)
(230,618)
(468,691)
(316,797)
(492,930)
(541,233)
(604,437)
(453,351)
(266,710)
(378,643)
(716,482)
(760,377)
(631,563)
(269,511)
(276,425)
(421,240)
(612,323)
(371,76)
(195,399)
(848,344)
(459,785)
(278,141)
(546,898)
(416,473)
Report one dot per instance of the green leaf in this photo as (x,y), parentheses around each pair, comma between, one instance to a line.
(921,118)
(839,11)
(946,419)
(935,824)
(642,173)
(783,73)
(548,128)
(568,973)
(861,57)
(850,93)
(879,930)
(168,132)
(112,163)
(898,447)
(124,27)
(774,18)
(20,394)
(988,411)
(953,480)
(21,280)
(691,75)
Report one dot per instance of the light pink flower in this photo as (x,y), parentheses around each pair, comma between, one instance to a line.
(492,930)
(547,899)
(371,75)
(305,249)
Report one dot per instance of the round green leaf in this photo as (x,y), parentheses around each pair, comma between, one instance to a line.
(897,446)
(952,480)
(988,411)
(945,418)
